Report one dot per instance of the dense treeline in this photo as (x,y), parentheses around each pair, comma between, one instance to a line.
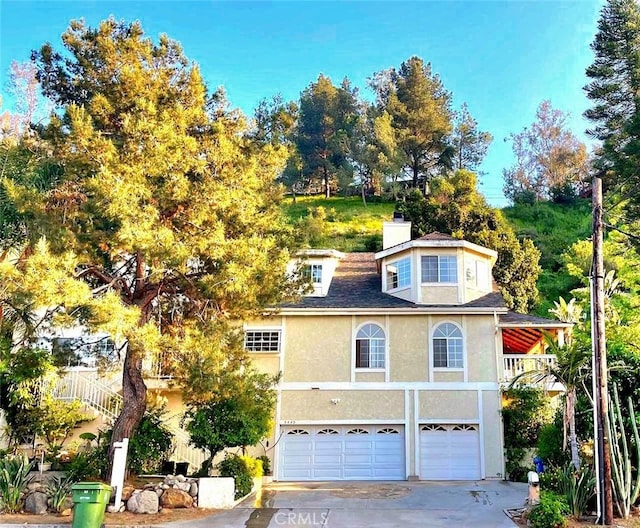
(339,141)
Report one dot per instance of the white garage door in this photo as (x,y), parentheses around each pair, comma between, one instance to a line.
(358,452)
(450,452)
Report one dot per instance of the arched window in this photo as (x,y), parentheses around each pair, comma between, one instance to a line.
(447,346)
(370,347)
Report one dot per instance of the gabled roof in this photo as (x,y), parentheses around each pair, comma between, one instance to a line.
(356,284)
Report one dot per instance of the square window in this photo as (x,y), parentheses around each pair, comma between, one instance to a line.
(437,268)
(262,340)
(313,273)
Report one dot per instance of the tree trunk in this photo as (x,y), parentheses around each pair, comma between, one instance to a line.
(134,394)
(573,440)
(364,198)
(325,176)
(415,176)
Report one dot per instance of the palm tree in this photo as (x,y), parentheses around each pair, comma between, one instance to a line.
(573,360)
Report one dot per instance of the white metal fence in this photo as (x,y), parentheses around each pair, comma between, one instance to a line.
(83,386)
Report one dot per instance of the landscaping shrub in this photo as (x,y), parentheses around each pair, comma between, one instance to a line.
(254,466)
(242,469)
(266,464)
(550,445)
(151,443)
(577,486)
(14,479)
(551,512)
(89,465)
(525,411)
(58,489)
(551,480)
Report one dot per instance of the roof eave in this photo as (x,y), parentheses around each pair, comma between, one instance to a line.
(435,244)
(393,311)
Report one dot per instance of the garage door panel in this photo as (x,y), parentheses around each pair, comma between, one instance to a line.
(296,474)
(342,453)
(327,474)
(450,452)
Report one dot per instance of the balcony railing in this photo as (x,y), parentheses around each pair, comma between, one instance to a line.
(157,367)
(516,364)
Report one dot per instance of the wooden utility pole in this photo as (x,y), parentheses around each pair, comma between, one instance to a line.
(601,396)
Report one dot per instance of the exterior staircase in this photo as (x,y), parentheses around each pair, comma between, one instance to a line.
(102,399)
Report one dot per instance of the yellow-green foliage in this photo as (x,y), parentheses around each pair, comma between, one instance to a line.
(344,224)
(164,218)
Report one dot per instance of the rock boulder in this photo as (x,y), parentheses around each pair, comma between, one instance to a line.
(36,502)
(176,498)
(143,502)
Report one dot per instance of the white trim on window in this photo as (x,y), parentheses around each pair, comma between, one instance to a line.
(370,339)
(398,274)
(313,272)
(377,347)
(445,270)
(264,340)
(460,355)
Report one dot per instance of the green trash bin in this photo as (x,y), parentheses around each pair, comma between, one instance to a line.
(90,499)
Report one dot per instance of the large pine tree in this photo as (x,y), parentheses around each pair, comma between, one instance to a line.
(167,204)
(614,88)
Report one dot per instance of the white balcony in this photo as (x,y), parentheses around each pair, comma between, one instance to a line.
(516,364)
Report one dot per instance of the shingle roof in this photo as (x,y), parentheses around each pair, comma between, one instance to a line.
(356,284)
(525,319)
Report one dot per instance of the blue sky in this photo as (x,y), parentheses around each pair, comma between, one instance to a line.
(501,57)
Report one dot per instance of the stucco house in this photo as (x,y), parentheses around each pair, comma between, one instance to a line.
(392,366)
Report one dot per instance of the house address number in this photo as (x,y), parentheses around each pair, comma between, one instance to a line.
(288,422)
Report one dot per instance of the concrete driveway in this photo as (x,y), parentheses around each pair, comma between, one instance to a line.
(478,504)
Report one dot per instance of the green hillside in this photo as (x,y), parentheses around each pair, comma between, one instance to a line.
(347,225)
(553,228)
(339,223)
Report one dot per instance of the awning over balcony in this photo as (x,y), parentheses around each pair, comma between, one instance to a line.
(522,334)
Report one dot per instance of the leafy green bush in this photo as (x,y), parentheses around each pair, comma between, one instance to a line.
(551,480)
(551,512)
(241,418)
(254,466)
(89,465)
(14,479)
(524,413)
(266,464)
(236,467)
(150,444)
(577,486)
(550,445)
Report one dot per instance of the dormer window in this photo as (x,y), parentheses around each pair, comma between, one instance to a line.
(439,268)
(313,273)
(399,274)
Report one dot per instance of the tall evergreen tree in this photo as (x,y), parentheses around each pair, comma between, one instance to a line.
(469,144)
(420,109)
(327,119)
(166,202)
(614,88)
